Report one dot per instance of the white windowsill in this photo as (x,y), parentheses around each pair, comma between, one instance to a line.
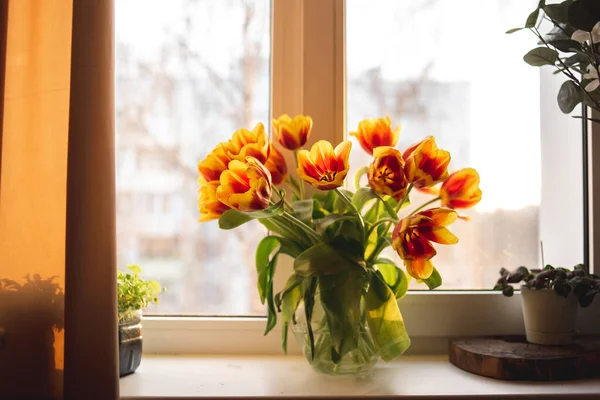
(175,377)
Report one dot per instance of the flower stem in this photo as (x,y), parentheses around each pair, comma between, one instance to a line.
(348,202)
(424,205)
(301,184)
(381,221)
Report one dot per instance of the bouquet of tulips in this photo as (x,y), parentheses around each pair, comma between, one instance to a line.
(336,236)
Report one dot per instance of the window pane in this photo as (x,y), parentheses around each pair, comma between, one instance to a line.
(188,74)
(447,69)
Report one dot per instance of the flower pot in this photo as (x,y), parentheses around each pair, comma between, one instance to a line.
(357,362)
(549,318)
(130,342)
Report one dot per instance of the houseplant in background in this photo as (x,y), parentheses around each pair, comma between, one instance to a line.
(341,299)
(134,294)
(549,298)
(572,46)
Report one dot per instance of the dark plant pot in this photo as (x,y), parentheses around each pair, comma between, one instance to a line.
(130,344)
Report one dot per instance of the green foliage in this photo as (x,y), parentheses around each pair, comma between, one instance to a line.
(569,57)
(562,280)
(134,293)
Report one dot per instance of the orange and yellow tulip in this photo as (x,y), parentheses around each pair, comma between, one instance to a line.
(413,235)
(386,173)
(276,165)
(375,132)
(323,167)
(461,189)
(208,204)
(292,133)
(425,164)
(245,143)
(213,165)
(245,186)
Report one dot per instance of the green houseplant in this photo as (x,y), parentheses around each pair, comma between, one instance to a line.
(549,298)
(572,46)
(133,294)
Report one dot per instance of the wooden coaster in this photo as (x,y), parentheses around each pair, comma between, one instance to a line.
(512,358)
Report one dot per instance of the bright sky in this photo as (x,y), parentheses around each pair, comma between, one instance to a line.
(464,38)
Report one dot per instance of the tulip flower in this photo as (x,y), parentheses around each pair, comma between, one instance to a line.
(245,143)
(292,133)
(386,173)
(213,165)
(592,74)
(375,132)
(413,235)
(582,36)
(276,165)
(425,164)
(245,186)
(461,189)
(323,167)
(208,204)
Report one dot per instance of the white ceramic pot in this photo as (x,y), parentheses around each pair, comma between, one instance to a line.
(549,318)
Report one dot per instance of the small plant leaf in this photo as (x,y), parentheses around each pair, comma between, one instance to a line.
(569,96)
(541,56)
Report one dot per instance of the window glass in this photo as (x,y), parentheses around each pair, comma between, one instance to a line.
(188,74)
(447,69)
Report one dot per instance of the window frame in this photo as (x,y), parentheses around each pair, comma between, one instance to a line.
(308,77)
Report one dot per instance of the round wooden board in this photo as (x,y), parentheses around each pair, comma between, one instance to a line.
(512,358)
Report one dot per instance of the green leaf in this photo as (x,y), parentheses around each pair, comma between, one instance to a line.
(320,260)
(569,96)
(558,12)
(541,56)
(434,281)
(385,320)
(339,205)
(394,276)
(513,30)
(340,298)
(303,210)
(532,19)
(363,195)
(584,14)
(309,287)
(350,248)
(135,269)
(234,218)
(326,198)
(566,45)
(283,228)
(266,252)
(324,223)
(271,312)
(291,298)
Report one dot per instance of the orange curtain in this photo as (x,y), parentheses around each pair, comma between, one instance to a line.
(57,217)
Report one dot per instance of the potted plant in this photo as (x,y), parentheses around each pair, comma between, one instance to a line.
(549,298)
(572,46)
(341,299)
(134,294)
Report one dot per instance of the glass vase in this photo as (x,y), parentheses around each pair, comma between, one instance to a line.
(359,361)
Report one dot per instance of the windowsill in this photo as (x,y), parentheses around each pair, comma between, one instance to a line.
(174,377)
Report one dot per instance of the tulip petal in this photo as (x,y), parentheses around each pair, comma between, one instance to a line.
(209,206)
(419,269)
(441,216)
(438,234)
(276,165)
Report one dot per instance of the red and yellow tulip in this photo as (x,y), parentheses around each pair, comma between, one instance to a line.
(461,189)
(276,165)
(245,186)
(292,133)
(245,143)
(412,239)
(376,132)
(208,204)
(213,165)
(386,173)
(425,164)
(323,167)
